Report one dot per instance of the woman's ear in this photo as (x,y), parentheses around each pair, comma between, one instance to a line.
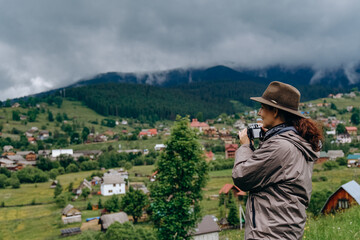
(276,112)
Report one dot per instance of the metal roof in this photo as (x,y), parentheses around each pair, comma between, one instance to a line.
(353,188)
(353,156)
(207,225)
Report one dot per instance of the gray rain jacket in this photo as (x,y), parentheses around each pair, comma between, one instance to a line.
(278,178)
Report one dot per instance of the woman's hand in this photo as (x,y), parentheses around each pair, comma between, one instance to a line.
(244,139)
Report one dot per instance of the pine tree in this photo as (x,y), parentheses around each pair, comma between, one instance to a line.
(58,189)
(89,206)
(233,217)
(176,193)
(222,199)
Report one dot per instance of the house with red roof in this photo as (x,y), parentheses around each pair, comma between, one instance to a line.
(209,156)
(199,125)
(148,132)
(230,150)
(351,130)
(236,191)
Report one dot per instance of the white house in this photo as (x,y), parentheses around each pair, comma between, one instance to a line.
(159,147)
(112,184)
(57,152)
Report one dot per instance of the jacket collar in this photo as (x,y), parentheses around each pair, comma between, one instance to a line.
(278,129)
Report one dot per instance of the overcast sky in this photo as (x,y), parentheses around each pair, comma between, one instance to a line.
(47,44)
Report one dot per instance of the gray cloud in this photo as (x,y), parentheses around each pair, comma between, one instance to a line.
(48,44)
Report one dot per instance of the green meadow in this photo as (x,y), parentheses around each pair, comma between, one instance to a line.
(44,221)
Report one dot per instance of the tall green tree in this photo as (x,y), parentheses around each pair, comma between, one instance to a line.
(113,204)
(176,193)
(233,217)
(133,203)
(355,118)
(58,189)
(340,128)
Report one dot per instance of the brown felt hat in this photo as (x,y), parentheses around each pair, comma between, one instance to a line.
(282,96)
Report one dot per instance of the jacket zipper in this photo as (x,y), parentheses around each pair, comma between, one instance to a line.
(253,211)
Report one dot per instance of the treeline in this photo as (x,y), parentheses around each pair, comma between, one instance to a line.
(144,101)
(155,103)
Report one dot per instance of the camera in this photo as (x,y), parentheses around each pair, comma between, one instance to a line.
(255,131)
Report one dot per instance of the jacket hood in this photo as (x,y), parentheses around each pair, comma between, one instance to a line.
(303,145)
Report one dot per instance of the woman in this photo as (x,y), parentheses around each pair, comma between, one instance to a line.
(278,174)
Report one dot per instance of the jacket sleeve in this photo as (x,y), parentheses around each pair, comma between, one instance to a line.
(255,170)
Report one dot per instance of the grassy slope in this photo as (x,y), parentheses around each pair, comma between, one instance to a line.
(83,116)
(19,222)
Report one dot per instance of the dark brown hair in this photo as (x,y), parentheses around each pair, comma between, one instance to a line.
(308,129)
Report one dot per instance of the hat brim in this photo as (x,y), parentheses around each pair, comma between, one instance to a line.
(267,102)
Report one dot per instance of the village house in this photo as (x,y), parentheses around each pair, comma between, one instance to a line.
(153,176)
(346,196)
(322,158)
(95,180)
(112,184)
(159,147)
(148,132)
(20,161)
(332,132)
(236,191)
(123,173)
(133,151)
(100,138)
(70,214)
(353,160)
(201,126)
(140,186)
(108,219)
(207,229)
(343,138)
(54,184)
(239,124)
(230,150)
(351,130)
(339,95)
(8,148)
(334,154)
(43,135)
(31,156)
(109,133)
(349,108)
(211,133)
(8,154)
(31,140)
(44,153)
(209,156)
(89,153)
(57,152)
(84,184)
(16,105)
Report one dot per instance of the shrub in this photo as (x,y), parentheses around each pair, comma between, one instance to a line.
(318,200)
(323,178)
(342,161)
(72,168)
(15,183)
(3,180)
(113,204)
(32,175)
(329,165)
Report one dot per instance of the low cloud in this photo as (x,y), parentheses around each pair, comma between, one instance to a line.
(46,44)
